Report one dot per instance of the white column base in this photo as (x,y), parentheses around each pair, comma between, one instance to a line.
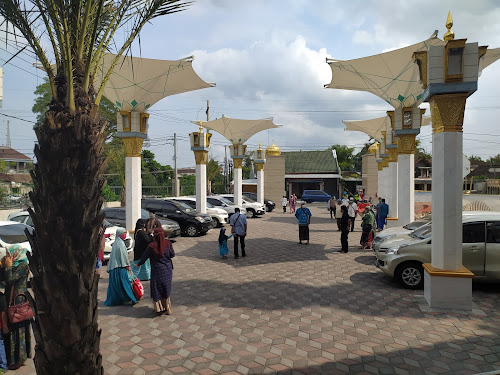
(406,189)
(201,188)
(260,187)
(448,292)
(238,188)
(133,191)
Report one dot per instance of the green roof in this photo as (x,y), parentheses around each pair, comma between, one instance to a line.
(310,162)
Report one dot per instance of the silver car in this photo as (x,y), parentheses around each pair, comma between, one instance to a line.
(402,256)
(397,231)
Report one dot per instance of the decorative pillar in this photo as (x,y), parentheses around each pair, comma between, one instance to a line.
(200,144)
(237,153)
(132,128)
(406,123)
(449,75)
(259,164)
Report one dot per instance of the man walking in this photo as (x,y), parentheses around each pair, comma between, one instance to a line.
(332,207)
(382,213)
(352,211)
(283,203)
(338,212)
(238,224)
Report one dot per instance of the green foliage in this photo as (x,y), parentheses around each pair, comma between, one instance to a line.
(494,160)
(345,157)
(43,98)
(420,152)
(3,166)
(188,184)
(109,195)
(219,184)
(159,174)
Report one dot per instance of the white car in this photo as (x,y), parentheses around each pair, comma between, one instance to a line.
(21,217)
(12,233)
(397,231)
(110,235)
(225,204)
(253,208)
(219,215)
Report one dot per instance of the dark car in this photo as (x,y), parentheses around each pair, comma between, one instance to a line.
(269,204)
(192,222)
(116,216)
(315,196)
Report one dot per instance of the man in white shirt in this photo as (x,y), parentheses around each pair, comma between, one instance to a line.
(284,201)
(352,211)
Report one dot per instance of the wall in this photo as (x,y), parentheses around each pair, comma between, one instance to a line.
(370,175)
(274,178)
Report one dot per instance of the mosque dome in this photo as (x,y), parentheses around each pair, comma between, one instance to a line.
(273,150)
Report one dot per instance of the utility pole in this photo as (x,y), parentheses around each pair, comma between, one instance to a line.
(176,181)
(8,134)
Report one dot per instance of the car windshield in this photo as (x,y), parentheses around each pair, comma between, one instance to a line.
(248,199)
(182,206)
(423,232)
(415,224)
(107,224)
(226,201)
(14,233)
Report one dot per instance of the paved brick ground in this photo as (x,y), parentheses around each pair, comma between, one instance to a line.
(293,309)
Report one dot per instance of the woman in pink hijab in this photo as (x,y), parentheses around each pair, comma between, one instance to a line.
(291,202)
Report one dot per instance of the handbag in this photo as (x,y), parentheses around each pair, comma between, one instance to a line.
(19,312)
(137,287)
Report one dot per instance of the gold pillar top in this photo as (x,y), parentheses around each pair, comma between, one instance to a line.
(201,126)
(449,35)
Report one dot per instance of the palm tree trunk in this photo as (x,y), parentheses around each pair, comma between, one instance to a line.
(67,202)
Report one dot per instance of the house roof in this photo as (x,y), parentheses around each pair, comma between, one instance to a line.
(484,170)
(24,178)
(310,162)
(7,153)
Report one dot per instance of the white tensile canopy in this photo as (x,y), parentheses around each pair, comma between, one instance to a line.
(392,76)
(137,83)
(237,131)
(374,127)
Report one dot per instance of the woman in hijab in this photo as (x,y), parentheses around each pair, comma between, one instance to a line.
(120,283)
(223,249)
(18,340)
(141,241)
(160,252)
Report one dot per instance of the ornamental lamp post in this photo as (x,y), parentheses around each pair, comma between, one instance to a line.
(260,160)
(200,145)
(449,75)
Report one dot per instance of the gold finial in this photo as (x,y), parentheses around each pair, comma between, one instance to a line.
(260,146)
(449,35)
(201,126)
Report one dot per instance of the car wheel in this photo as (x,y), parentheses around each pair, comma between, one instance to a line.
(250,213)
(308,201)
(191,230)
(216,222)
(410,275)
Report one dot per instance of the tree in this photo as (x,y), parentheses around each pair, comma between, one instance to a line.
(213,170)
(44,96)
(115,152)
(476,159)
(345,157)
(162,174)
(67,176)
(420,152)
(494,160)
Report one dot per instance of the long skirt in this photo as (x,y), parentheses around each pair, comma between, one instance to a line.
(143,273)
(366,236)
(119,288)
(303,232)
(18,343)
(161,285)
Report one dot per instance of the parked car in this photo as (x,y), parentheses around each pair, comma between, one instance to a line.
(253,208)
(12,233)
(270,205)
(225,204)
(310,196)
(110,236)
(218,215)
(396,231)
(116,216)
(192,222)
(21,217)
(402,256)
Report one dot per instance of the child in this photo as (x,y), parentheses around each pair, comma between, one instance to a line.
(223,250)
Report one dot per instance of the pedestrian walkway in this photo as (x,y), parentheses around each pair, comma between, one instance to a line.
(289,308)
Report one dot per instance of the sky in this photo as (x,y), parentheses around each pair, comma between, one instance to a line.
(267,58)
